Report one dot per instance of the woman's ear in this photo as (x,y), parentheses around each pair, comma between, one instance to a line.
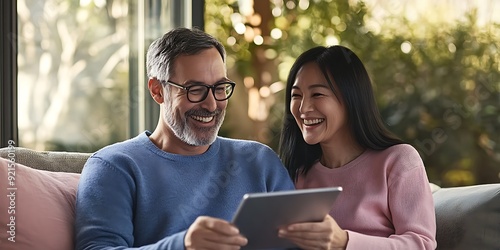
(156,90)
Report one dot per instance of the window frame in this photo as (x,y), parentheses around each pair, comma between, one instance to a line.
(8,73)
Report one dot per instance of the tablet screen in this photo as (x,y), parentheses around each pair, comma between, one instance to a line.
(260,215)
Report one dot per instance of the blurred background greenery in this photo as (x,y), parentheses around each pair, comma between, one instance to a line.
(436,77)
(435,66)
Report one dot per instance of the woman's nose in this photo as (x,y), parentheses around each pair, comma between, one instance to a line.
(305,105)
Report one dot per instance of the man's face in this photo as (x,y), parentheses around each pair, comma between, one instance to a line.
(196,124)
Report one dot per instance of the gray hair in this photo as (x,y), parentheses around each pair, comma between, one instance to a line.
(180,41)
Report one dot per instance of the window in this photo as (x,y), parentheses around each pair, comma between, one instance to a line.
(81,81)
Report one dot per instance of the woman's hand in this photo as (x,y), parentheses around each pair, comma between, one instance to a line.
(325,235)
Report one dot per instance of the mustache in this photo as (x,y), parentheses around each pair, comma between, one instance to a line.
(203,112)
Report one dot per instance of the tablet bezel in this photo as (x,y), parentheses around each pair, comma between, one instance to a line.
(259,215)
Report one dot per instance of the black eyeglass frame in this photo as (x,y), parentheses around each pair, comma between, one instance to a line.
(209,87)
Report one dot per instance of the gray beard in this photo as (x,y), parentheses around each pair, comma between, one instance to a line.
(191,135)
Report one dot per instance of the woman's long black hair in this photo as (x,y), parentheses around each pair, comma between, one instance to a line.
(354,87)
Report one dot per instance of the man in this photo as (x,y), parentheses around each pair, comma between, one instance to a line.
(177,187)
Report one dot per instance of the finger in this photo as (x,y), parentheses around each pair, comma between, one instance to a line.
(216,246)
(309,243)
(210,239)
(220,226)
(221,231)
(237,240)
(324,225)
(213,233)
(304,235)
(309,227)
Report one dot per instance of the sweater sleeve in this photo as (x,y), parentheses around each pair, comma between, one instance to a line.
(104,210)
(412,210)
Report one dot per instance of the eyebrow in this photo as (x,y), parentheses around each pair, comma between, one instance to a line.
(224,79)
(317,85)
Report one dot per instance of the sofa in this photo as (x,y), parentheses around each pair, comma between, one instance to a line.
(38,199)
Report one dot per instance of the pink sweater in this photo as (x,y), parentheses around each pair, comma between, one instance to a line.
(386,202)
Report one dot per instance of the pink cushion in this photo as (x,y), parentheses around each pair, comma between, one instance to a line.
(40,213)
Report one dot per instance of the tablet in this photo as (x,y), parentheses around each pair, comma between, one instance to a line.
(260,215)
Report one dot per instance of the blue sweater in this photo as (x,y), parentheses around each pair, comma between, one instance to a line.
(132,194)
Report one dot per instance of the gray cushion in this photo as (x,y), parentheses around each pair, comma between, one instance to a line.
(47,160)
(468,217)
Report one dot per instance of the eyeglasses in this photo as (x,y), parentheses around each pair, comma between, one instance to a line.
(199,92)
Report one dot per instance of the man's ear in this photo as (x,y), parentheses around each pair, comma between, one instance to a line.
(156,90)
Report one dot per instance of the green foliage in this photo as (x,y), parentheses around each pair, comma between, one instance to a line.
(441,94)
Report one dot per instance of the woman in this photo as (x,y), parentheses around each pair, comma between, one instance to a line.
(333,135)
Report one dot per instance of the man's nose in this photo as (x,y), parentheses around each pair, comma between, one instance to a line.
(209,103)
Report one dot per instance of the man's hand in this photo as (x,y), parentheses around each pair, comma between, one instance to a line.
(212,233)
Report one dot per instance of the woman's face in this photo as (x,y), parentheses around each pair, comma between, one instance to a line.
(320,115)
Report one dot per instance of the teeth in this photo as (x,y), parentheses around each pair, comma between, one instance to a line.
(313,121)
(203,118)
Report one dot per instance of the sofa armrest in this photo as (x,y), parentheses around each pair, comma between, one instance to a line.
(468,217)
